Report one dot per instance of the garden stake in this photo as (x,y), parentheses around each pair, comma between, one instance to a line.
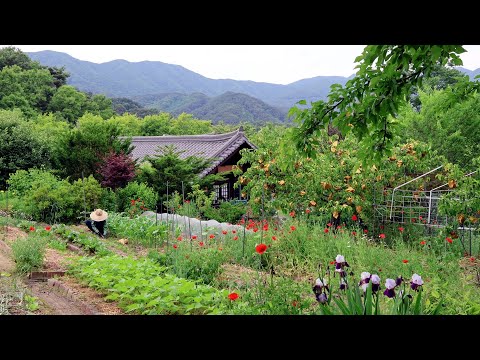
(263,212)
(168,227)
(243,242)
(84,200)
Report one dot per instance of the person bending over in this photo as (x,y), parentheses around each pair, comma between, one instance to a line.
(98,222)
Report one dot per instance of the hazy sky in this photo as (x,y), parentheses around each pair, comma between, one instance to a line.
(280,64)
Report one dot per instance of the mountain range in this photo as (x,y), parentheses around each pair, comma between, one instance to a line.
(175,89)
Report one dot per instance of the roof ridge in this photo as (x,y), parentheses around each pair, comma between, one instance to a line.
(202,137)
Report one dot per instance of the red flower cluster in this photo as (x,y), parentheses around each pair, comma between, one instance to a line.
(261,248)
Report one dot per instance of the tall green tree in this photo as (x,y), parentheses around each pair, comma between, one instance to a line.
(167,166)
(367,103)
(11,55)
(83,147)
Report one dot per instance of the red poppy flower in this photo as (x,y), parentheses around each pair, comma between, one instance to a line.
(339,227)
(382,227)
(401,229)
(211,236)
(414,220)
(261,248)
(381,236)
(354,217)
(255,230)
(233,296)
(449,240)
(332,262)
(420,217)
(293,228)
(329,224)
(307,211)
(325,231)
(354,233)
(294,303)
(224,232)
(132,202)
(175,246)
(32,228)
(179,238)
(201,243)
(292,213)
(235,238)
(220,249)
(234,231)
(423,242)
(405,261)
(472,259)
(48,228)
(274,238)
(194,237)
(365,231)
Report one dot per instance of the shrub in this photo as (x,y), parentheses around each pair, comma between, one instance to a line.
(228,212)
(29,253)
(135,191)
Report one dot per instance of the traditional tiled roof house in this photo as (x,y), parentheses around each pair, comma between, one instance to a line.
(223,149)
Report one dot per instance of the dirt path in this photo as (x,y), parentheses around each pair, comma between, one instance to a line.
(62,296)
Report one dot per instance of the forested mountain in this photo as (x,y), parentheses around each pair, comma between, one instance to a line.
(229,107)
(120,78)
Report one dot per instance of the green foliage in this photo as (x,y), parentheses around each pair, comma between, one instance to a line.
(228,212)
(31,303)
(10,56)
(45,197)
(29,253)
(143,287)
(82,148)
(140,229)
(19,147)
(386,74)
(90,243)
(167,167)
(135,191)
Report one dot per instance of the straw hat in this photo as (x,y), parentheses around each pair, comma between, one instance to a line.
(99,215)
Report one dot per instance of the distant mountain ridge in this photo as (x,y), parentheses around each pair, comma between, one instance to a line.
(120,78)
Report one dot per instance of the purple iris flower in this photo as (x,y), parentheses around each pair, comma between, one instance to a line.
(390,284)
(340,263)
(365,279)
(416,282)
(399,280)
(375,282)
(322,298)
(343,284)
